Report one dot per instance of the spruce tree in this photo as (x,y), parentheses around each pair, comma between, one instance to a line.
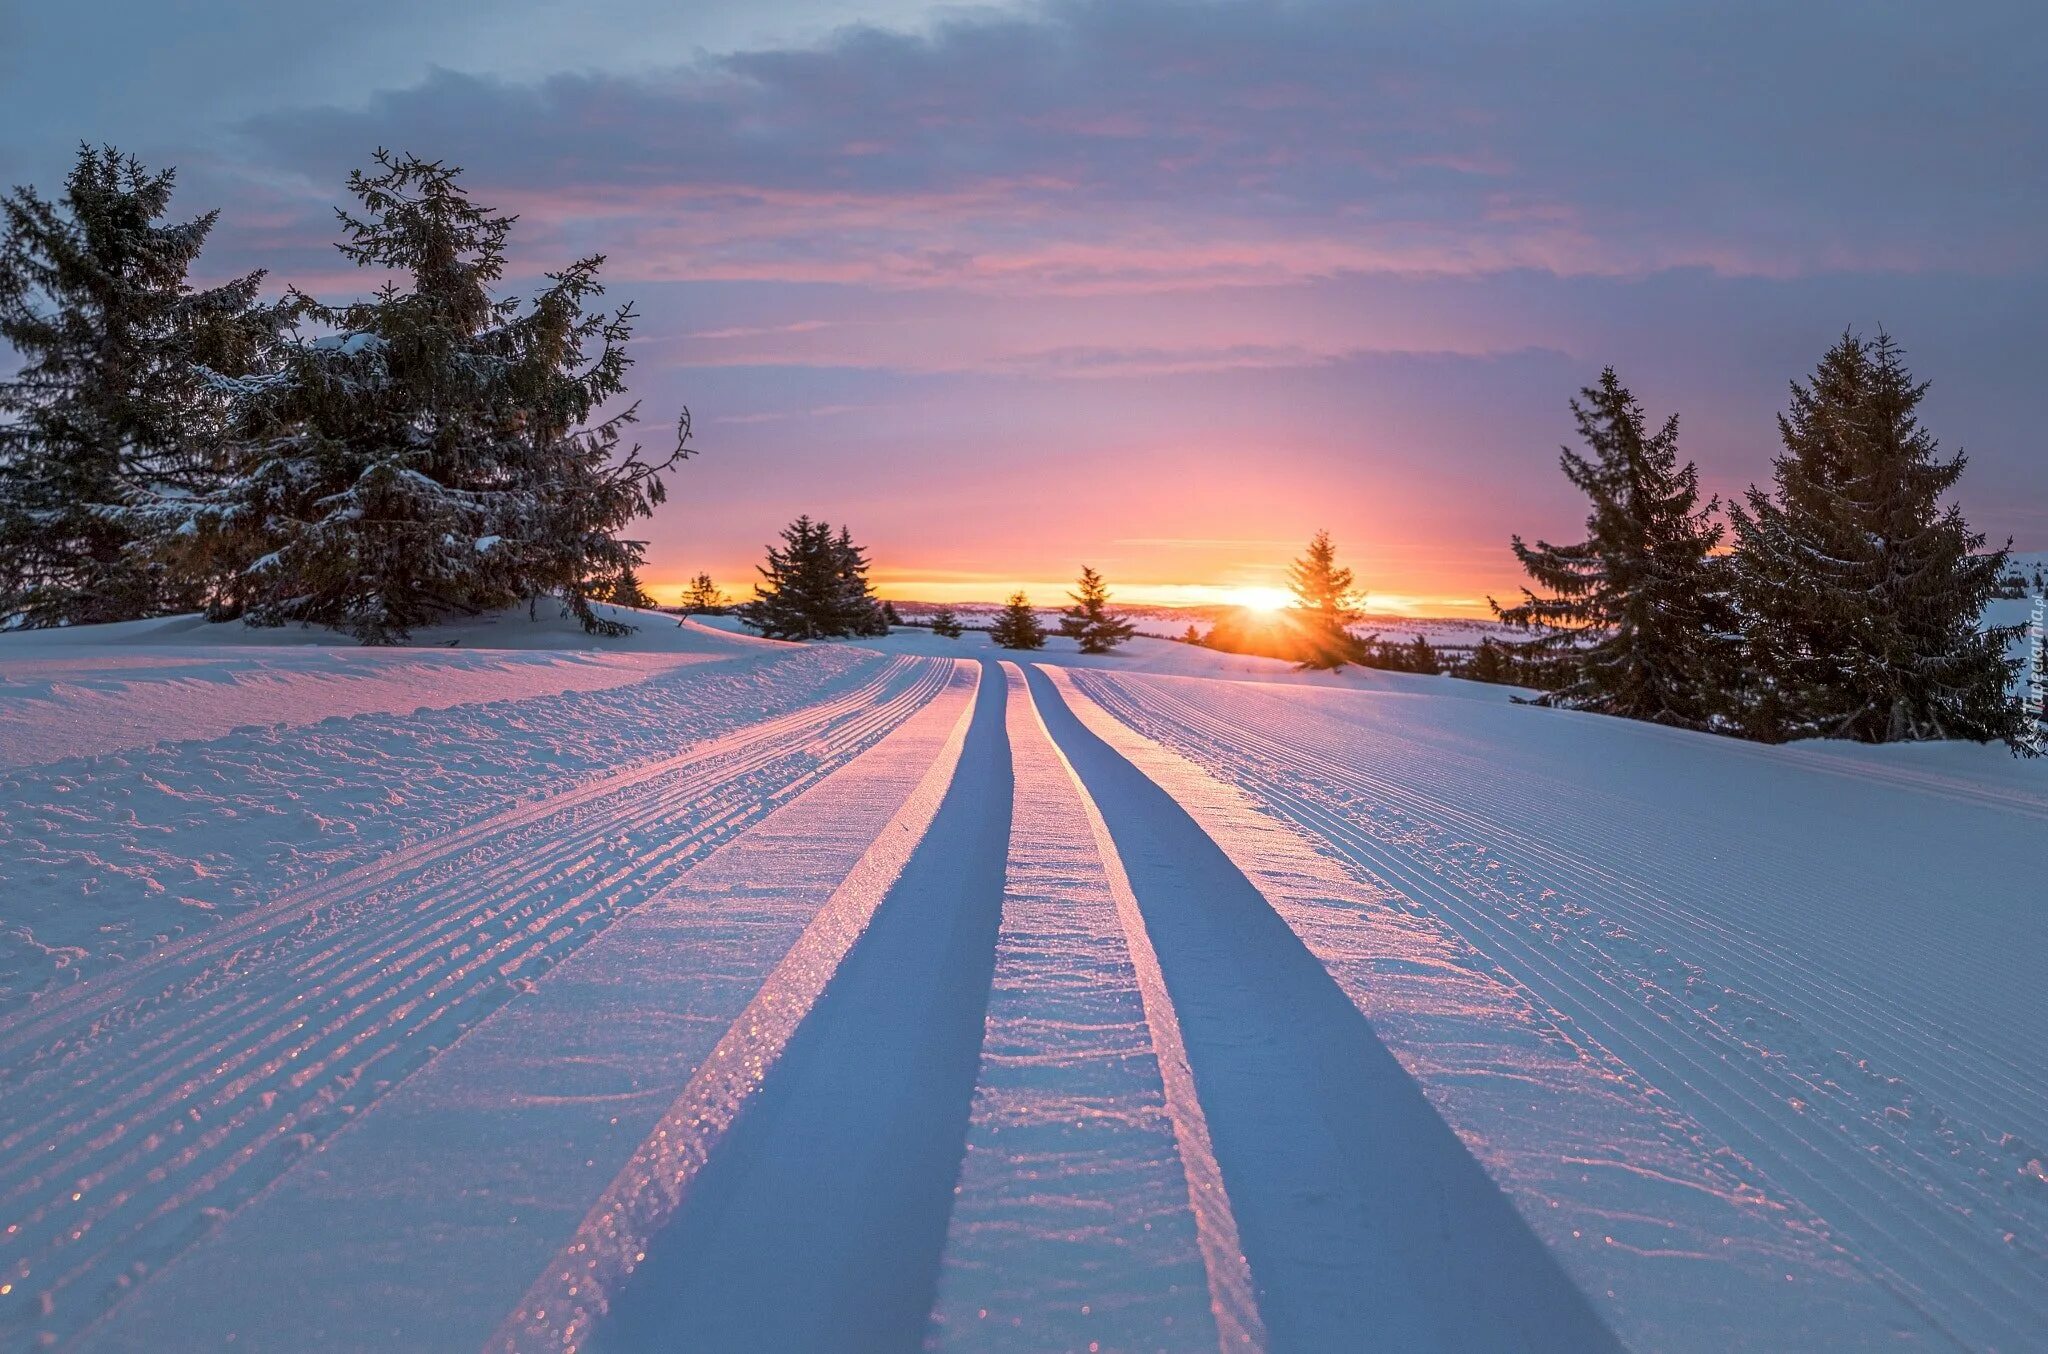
(1490,662)
(799,595)
(1326,604)
(858,611)
(1860,594)
(889,616)
(109,401)
(1634,616)
(702,595)
(627,592)
(431,450)
(814,587)
(1017,625)
(946,624)
(1089,622)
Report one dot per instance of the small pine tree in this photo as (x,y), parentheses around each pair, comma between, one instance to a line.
(702,595)
(946,624)
(798,596)
(1017,626)
(1193,635)
(1423,658)
(1089,622)
(814,587)
(1490,662)
(889,616)
(1860,594)
(627,592)
(108,402)
(1326,604)
(431,451)
(1635,613)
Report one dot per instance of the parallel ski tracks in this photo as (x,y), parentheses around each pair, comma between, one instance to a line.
(316,1004)
(1982,1287)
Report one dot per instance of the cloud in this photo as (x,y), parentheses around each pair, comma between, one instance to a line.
(1091,147)
(759,330)
(783,415)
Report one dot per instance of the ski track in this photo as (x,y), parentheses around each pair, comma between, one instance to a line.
(857,1131)
(1134,1011)
(105,858)
(86,703)
(1072,1224)
(478,1172)
(1366,1222)
(131,1126)
(1932,1184)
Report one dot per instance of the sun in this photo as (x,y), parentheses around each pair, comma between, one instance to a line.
(1259,599)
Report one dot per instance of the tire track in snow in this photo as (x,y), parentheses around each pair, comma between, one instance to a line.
(1365,1219)
(755,1085)
(1824,1128)
(124,1144)
(1090,1211)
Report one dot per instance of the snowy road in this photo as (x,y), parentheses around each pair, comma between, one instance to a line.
(837,999)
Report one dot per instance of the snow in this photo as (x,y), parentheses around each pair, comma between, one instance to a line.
(593,1093)
(1087,1145)
(1148,654)
(62,694)
(348,345)
(693,990)
(1825,964)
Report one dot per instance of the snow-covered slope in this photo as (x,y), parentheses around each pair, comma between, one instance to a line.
(698,991)
(73,693)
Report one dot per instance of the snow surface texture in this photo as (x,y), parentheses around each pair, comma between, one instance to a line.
(698,992)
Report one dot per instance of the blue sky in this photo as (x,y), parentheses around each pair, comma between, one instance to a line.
(1157,284)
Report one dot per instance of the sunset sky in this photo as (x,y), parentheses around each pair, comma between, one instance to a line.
(1160,286)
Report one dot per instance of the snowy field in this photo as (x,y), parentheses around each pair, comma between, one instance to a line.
(696,992)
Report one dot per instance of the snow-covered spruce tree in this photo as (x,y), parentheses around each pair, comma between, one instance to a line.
(946,624)
(1633,617)
(1089,621)
(431,450)
(1860,594)
(1326,603)
(1017,626)
(109,400)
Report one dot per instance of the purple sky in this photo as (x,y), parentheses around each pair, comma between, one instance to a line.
(1156,285)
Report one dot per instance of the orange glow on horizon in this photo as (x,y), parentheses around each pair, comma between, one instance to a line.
(1265,599)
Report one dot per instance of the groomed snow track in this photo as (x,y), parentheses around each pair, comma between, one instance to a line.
(978,1006)
(142,1108)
